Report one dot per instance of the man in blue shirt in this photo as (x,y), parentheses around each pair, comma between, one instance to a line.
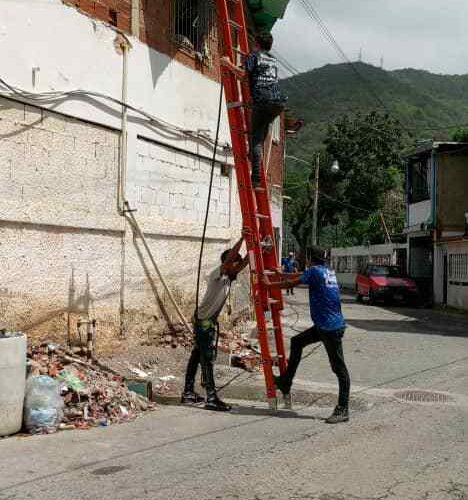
(289,265)
(329,327)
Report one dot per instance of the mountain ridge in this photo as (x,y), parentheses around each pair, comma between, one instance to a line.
(423,102)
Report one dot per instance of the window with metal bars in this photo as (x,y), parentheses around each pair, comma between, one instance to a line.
(419,181)
(458,267)
(194,27)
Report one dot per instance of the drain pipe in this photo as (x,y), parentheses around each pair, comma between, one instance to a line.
(123,45)
(123,205)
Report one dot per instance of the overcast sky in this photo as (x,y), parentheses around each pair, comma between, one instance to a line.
(422,34)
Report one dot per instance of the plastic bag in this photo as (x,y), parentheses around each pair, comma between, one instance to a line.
(72,381)
(43,405)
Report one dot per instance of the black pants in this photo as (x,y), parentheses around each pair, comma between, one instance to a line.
(203,354)
(334,346)
(262,116)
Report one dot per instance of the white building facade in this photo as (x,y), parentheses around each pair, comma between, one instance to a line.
(69,159)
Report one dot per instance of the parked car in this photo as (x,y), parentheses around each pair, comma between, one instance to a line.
(382,283)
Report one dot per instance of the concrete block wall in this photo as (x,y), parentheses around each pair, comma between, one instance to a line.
(55,170)
(65,251)
(171,187)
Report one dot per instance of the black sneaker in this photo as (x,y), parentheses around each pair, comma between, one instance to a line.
(217,405)
(191,398)
(282,386)
(338,416)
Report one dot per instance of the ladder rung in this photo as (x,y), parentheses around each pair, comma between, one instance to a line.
(269,272)
(262,216)
(234,104)
(273,358)
(235,25)
(259,189)
(273,301)
(239,51)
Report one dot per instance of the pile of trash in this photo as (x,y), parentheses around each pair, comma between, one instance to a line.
(89,394)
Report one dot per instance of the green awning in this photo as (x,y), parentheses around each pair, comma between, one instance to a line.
(265,13)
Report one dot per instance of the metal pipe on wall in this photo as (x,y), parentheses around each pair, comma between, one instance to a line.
(123,204)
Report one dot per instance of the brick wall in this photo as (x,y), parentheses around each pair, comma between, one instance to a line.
(115,12)
(155,28)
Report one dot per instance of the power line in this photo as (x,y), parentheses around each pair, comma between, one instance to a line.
(315,16)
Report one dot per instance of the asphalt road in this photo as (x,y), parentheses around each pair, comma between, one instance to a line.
(391,448)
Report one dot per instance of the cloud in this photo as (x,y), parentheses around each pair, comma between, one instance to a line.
(423,34)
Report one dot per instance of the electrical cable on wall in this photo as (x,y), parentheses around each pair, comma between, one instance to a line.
(47,97)
(205,224)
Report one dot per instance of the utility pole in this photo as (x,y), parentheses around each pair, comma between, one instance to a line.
(316,196)
(335,168)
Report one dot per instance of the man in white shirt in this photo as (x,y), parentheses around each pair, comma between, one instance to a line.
(205,322)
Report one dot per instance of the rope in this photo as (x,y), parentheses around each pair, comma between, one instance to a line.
(213,163)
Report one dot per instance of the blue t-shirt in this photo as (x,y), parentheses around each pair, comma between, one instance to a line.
(289,265)
(324,298)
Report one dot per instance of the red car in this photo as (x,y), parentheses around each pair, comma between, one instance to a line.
(385,283)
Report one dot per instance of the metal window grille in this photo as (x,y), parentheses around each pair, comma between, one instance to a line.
(361,263)
(383,259)
(458,267)
(194,27)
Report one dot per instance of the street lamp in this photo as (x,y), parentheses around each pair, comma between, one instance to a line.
(335,168)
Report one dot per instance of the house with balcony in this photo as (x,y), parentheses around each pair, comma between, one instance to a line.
(437,200)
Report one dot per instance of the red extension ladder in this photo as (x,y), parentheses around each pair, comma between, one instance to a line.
(255,203)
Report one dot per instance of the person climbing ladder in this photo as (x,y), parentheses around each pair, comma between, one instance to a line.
(268,101)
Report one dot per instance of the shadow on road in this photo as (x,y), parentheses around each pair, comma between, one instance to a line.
(420,321)
(266,412)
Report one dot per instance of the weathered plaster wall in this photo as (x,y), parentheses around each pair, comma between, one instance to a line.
(60,228)
(65,251)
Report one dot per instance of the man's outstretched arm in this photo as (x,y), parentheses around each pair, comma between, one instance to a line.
(233,253)
(292,281)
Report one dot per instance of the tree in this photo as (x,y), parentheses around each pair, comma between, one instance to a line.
(368,149)
(460,135)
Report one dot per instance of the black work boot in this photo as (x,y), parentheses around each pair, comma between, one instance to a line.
(215,404)
(282,385)
(338,416)
(191,397)
(212,400)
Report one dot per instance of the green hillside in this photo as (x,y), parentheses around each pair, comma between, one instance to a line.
(418,99)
